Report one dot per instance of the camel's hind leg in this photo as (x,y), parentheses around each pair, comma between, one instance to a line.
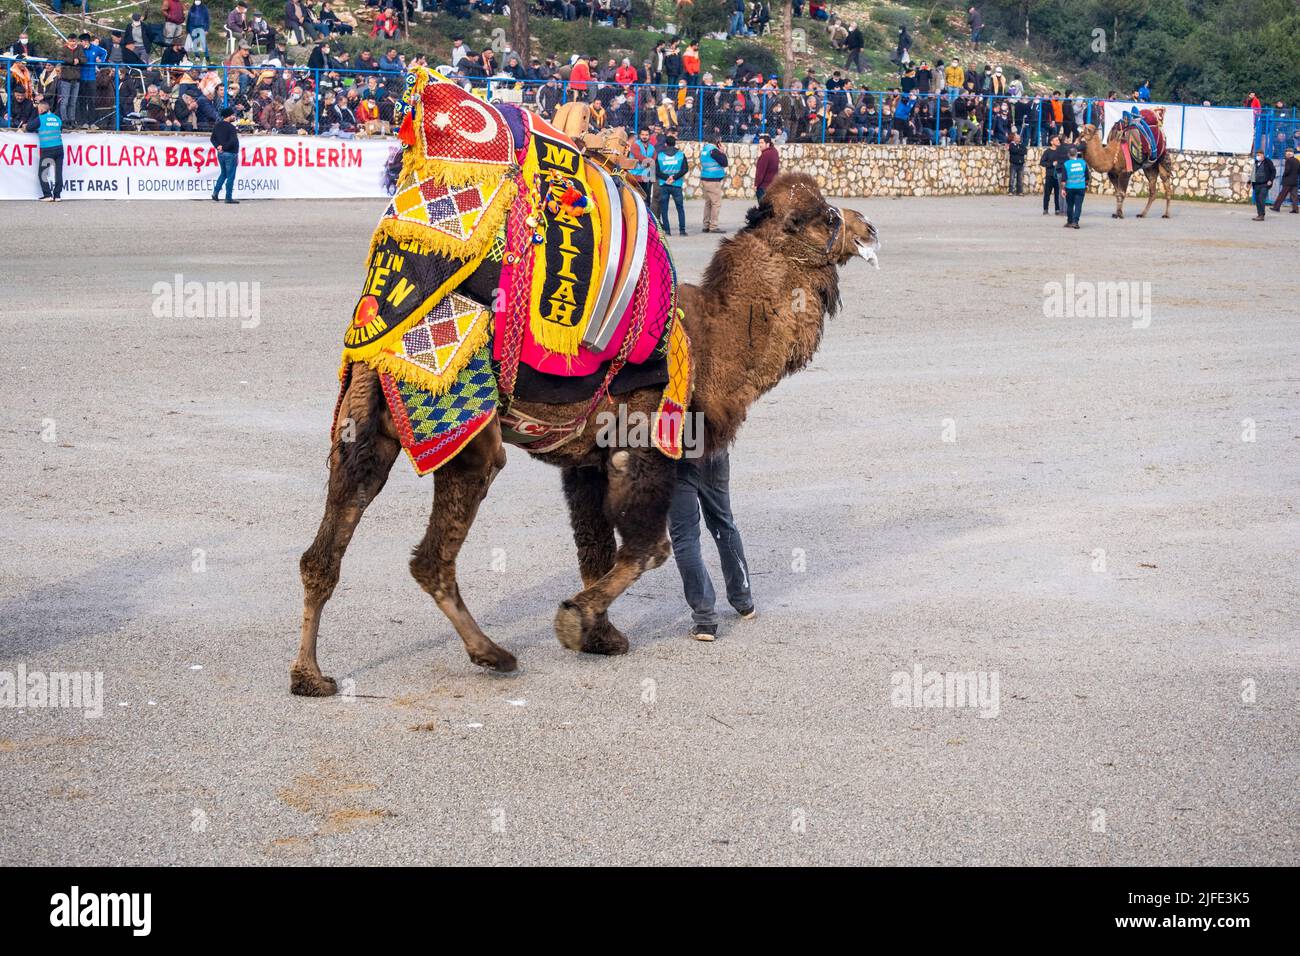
(1120,185)
(637,495)
(458,488)
(584,490)
(1152,175)
(1167,180)
(364,447)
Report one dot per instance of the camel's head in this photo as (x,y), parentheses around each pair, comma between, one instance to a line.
(793,209)
(1087,134)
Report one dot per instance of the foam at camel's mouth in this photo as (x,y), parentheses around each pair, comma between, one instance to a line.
(870,252)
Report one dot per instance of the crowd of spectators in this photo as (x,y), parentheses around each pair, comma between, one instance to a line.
(163,75)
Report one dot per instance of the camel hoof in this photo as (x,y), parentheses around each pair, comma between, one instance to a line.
(1165,216)
(605,639)
(568,625)
(1140,215)
(598,638)
(497,659)
(1117,215)
(306,683)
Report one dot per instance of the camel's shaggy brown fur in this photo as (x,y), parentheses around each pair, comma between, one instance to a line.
(756,317)
(1109,159)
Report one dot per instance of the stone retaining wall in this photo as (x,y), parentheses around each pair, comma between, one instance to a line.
(868,170)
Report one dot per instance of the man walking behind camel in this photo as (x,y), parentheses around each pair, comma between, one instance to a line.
(704,486)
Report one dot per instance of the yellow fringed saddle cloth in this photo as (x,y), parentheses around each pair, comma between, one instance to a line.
(457,182)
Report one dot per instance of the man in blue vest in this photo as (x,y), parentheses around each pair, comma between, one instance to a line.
(1076,185)
(670,171)
(643,153)
(713,170)
(49,170)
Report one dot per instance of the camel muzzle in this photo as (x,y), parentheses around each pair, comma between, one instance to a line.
(858,237)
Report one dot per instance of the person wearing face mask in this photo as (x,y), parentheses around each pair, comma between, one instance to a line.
(1262,182)
(197,23)
(1290,181)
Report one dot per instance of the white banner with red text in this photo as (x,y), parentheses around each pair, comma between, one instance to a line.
(133,166)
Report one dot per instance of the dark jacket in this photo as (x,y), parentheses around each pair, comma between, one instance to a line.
(1052,159)
(207,116)
(73,61)
(22,112)
(1016,153)
(1291,172)
(225,137)
(1265,172)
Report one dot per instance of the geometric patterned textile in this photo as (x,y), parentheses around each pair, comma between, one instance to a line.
(433,428)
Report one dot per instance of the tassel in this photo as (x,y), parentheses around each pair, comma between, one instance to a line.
(407,133)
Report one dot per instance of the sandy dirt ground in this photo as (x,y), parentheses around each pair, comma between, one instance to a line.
(1101,516)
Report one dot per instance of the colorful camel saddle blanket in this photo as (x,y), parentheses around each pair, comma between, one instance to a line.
(434,428)
(492,204)
(584,264)
(1142,138)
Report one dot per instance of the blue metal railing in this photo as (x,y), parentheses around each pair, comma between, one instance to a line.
(692,112)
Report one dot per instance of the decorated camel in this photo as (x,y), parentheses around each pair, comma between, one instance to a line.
(1135,143)
(494,205)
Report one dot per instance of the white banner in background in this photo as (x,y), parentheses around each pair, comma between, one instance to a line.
(1213,129)
(133,166)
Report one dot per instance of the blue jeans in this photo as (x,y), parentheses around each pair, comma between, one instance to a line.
(69,92)
(229,163)
(675,192)
(1074,204)
(703,485)
(737,25)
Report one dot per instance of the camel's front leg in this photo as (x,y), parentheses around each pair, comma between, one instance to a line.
(1167,180)
(365,445)
(458,488)
(584,490)
(637,495)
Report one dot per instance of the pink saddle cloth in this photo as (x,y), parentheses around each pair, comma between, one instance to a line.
(655,285)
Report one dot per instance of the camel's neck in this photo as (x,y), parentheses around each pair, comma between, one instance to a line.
(1100,158)
(752,322)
